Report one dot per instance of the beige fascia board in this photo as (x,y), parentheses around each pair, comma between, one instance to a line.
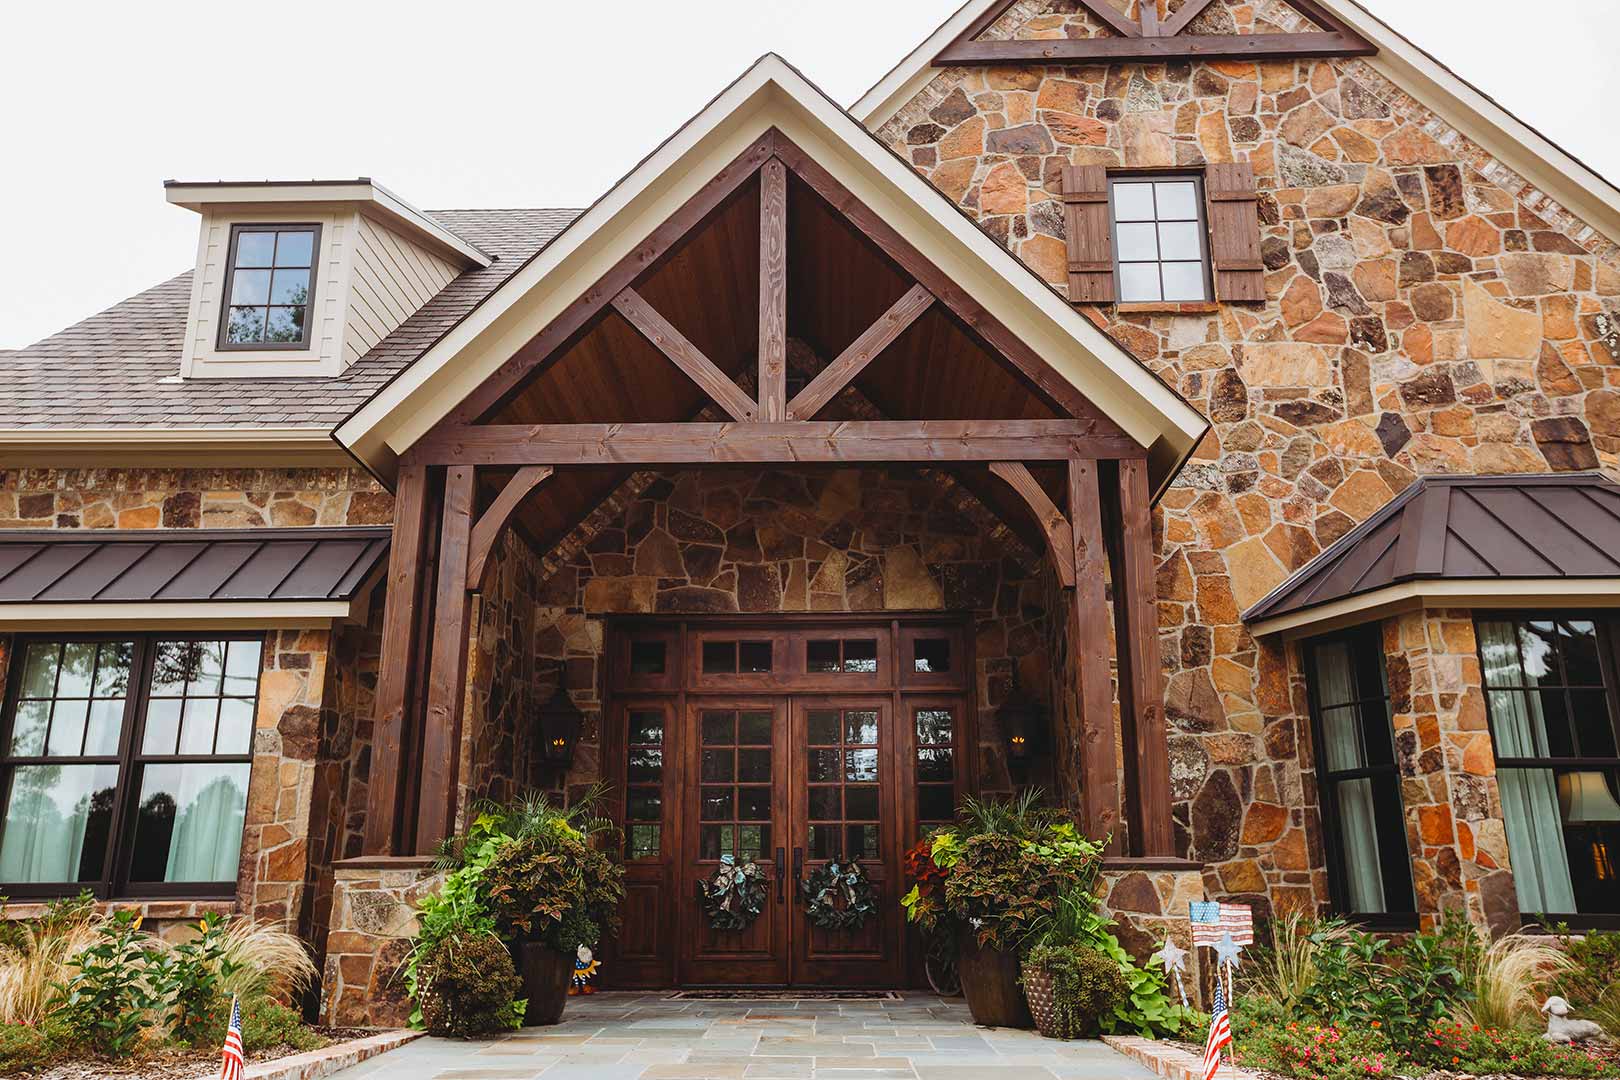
(1573,185)
(171,447)
(1416,595)
(369,197)
(771,94)
(175,615)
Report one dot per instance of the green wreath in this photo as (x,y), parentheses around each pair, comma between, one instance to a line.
(839,896)
(735,895)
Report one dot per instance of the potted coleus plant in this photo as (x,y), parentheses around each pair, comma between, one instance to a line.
(1004,866)
(551,891)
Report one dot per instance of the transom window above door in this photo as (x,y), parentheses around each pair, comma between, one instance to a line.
(269,287)
(126,765)
(1160,251)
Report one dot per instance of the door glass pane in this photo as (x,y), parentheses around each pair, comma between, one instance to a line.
(753,841)
(823,766)
(719,657)
(719,728)
(823,842)
(861,765)
(644,841)
(644,804)
(754,729)
(753,804)
(935,803)
(754,766)
(824,727)
(824,804)
(188,824)
(931,656)
(57,822)
(647,657)
(717,765)
(860,726)
(861,803)
(860,656)
(646,765)
(934,763)
(646,727)
(754,657)
(861,842)
(933,726)
(717,804)
(821,657)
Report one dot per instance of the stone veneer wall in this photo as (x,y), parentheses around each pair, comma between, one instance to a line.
(797,540)
(1428,311)
(312,728)
(1448,768)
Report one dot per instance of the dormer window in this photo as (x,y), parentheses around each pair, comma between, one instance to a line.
(270,286)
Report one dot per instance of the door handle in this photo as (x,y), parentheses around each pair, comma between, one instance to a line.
(798,868)
(781,875)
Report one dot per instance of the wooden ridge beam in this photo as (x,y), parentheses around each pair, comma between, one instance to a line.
(663,336)
(853,360)
(493,520)
(1054,525)
(1114,50)
(765,443)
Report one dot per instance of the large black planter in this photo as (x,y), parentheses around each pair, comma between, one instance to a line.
(990,984)
(545,974)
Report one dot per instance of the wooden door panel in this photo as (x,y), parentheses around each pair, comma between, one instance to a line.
(734,774)
(844,808)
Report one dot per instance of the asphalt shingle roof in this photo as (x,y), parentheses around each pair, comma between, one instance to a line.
(117,368)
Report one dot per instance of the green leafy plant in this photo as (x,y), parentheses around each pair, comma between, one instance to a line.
(1472,1048)
(457,909)
(191,976)
(469,987)
(1087,988)
(554,888)
(27,1048)
(108,1001)
(1274,1042)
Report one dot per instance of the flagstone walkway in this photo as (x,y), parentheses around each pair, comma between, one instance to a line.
(649,1037)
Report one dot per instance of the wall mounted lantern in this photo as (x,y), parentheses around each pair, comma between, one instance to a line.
(560,721)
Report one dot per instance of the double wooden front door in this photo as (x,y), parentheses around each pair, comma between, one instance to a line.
(790,778)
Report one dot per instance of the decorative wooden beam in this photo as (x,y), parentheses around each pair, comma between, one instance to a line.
(1176,23)
(490,525)
(784,443)
(447,666)
(403,619)
(773,291)
(1088,643)
(1147,18)
(1141,680)
(1030,366)
(538,352)
(720,387)
(1117,22)
(1119,50)
(853,360)
(1056,528)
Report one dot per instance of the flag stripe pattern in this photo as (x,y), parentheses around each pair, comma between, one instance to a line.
(1220,1032)
(1210,920)
(230,1067)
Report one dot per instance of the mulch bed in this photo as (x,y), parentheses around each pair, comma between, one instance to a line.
(175,1063)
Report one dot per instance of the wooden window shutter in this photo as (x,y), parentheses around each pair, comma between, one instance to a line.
(1234,231)
(1091,245)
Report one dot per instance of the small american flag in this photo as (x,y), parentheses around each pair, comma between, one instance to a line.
(230,1066)
(1220,1033)
(1210,920)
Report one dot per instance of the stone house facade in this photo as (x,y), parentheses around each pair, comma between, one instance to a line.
(1332,639)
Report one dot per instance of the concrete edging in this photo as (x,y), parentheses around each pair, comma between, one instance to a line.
(1169,1061)
(327,1060)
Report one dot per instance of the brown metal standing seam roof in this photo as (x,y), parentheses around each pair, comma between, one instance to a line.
(147,565)
(1466,528)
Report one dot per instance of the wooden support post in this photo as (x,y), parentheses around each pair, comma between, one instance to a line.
(1088,644)
(403,619)
(447,667)
(1141,679)
(773,291)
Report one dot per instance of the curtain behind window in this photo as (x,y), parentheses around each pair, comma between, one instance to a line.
(1530,812)
(1343,750)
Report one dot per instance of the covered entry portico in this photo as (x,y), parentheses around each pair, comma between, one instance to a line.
(770,295)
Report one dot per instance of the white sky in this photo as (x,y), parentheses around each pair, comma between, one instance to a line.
(479,104)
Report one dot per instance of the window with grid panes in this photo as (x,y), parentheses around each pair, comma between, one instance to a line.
(936,766)
(126,766)
(734,774)
(269,287)
(644,790)
(1160,253)
(843,784)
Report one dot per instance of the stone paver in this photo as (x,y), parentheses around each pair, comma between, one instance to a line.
(650,1037)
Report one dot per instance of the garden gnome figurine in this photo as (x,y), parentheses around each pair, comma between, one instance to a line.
(1561,1029)
(585,967)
